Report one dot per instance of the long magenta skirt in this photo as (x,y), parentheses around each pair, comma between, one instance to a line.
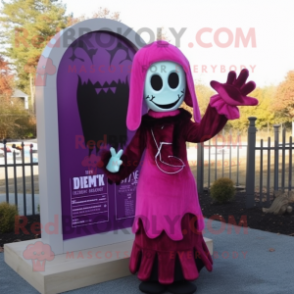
(191,247)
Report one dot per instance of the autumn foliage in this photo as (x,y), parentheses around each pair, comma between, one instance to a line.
(15,121)
(6,79)
(283,103)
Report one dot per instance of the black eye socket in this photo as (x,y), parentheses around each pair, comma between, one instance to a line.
(173,80)
(156,82)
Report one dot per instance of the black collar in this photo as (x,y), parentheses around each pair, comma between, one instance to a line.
(148,120)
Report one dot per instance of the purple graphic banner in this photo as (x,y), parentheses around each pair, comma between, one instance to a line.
(92,92)
(89,200)
(125,196)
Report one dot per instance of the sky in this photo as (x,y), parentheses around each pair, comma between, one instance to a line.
(212,33)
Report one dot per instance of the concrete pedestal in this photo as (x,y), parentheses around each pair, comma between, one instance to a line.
(72,270)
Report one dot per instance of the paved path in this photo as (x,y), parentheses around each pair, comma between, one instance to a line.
(260,271)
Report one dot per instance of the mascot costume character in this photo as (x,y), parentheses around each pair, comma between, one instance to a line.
(169,250)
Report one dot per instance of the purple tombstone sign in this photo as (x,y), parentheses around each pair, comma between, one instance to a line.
(92,98)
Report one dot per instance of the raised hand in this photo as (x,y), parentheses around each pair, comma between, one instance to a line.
(235,90)
(114,162)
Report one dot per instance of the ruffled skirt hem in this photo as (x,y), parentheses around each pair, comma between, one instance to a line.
(187,250)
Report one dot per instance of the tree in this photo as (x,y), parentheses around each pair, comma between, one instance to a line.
(28,27)
(263,111)
(284,98)
(203,94)
(102,12)
(162,35)
(10,111)
(6,79)
(10,116)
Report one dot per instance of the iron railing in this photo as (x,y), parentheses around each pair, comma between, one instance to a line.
(219,150)
(279,182)
(255,194)
(5,165)
(203,181)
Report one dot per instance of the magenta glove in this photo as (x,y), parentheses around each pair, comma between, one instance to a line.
(232,93)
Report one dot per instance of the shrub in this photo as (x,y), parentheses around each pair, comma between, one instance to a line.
(222,190)
(27,127)
(8,212)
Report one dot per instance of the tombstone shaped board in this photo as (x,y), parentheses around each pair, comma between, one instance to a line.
(82,89)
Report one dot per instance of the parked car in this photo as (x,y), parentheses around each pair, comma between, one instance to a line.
(18,145)
(9,154)
(27,150)
(18,149)
(2,147)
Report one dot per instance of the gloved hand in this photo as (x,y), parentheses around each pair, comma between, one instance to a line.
(232,93)
(114,162)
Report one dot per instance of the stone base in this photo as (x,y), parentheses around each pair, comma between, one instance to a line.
(75,269)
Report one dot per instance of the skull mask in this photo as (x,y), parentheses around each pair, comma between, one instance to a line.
(165,86)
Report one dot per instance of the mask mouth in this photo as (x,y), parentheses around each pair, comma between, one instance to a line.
(167,106)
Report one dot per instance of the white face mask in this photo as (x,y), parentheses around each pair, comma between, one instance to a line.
(165,86)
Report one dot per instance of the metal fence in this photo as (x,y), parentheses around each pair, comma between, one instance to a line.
(276,176)
(5,165)
(208,169)
(209,154)
(263,175)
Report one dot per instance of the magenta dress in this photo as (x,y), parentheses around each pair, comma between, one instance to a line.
(168,218)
